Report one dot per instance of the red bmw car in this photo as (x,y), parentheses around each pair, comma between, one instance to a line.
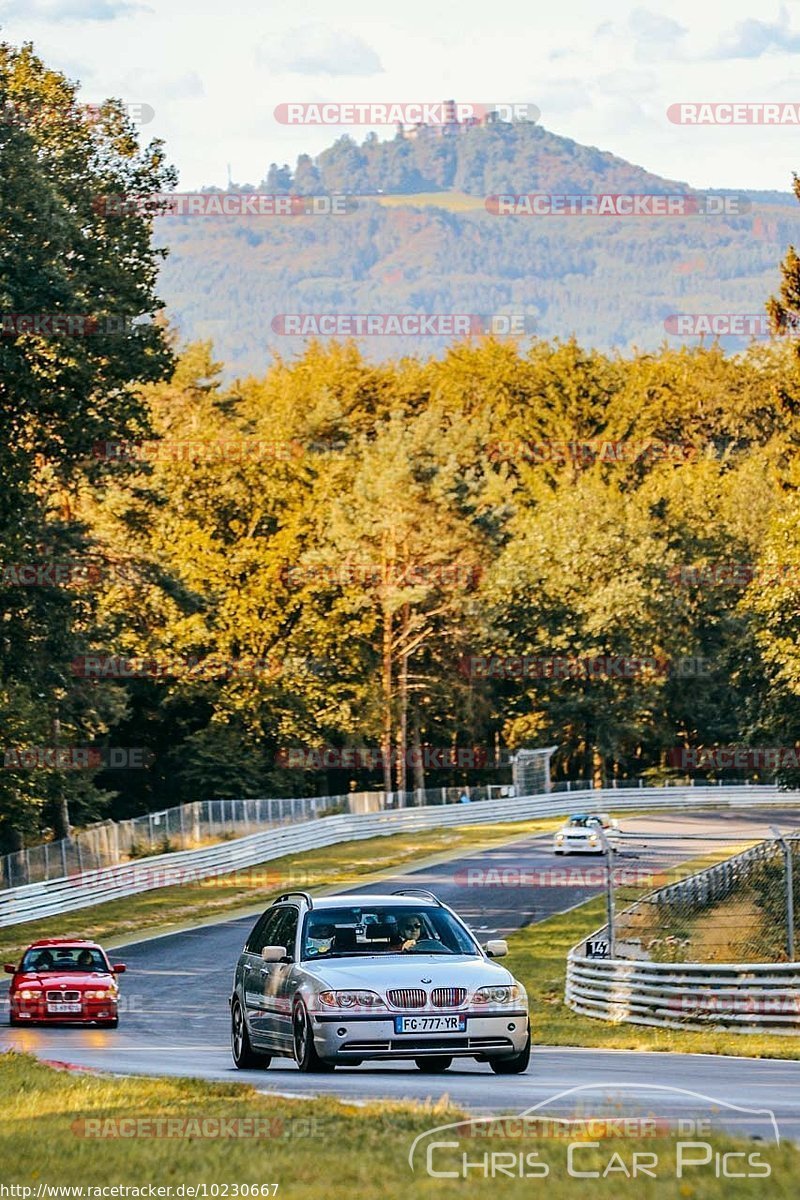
(63,980)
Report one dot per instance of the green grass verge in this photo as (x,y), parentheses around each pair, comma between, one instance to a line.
(323,1149)
(332,866)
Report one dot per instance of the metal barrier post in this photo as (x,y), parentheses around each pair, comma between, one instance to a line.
(789,881)
(609,889)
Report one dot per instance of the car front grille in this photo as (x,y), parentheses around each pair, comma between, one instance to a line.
(55,996)
(448,997)
(407,997)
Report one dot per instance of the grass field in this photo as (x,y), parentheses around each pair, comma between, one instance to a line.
(332,866)
(61,1130)
(450,201)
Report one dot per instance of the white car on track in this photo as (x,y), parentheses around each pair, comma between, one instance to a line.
(353,978)
(581,834)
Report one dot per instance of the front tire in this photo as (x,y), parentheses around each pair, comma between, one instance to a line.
(434,1065)
(305,1052)
(244,1056)
(514,1065)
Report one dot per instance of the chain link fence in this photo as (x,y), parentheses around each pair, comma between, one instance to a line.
(738,910)
(190,825)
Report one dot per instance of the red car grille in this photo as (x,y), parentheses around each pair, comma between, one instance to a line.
(448,997)
(407,997)
(63,996)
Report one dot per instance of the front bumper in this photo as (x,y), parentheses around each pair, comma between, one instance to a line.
(98,1013)
(486,1035)
(581,847)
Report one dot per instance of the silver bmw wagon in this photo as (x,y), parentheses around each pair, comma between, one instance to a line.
(346,979)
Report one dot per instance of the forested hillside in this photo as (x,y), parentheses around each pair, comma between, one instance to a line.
(610,281)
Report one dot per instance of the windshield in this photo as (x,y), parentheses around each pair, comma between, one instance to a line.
(586,822)
(64,958)
(383,930)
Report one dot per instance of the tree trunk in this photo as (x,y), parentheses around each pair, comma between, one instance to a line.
(61,827)
(598,768)
(418,765)
(402,733)
(386,679)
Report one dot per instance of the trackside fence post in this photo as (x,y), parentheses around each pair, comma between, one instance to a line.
(788,879)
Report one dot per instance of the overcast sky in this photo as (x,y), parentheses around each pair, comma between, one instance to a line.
(603,74)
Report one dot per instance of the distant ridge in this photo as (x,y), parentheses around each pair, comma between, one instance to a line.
(421,241)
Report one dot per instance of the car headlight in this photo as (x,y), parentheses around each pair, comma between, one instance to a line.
(592,837)
(559,837)
(510,994)
(99,995)
(27,994)
(356,999)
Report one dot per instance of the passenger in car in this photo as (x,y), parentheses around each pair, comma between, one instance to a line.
(320,937)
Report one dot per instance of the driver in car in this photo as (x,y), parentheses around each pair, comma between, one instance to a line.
(409,931)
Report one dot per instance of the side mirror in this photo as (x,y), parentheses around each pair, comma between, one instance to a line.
(119,968)
(497,948)
(10,969)
(273,953)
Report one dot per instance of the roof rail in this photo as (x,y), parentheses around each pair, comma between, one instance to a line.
(288,895)
(417,891)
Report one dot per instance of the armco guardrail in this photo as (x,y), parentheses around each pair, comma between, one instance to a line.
(186,826)
(743,997)
(56,896)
